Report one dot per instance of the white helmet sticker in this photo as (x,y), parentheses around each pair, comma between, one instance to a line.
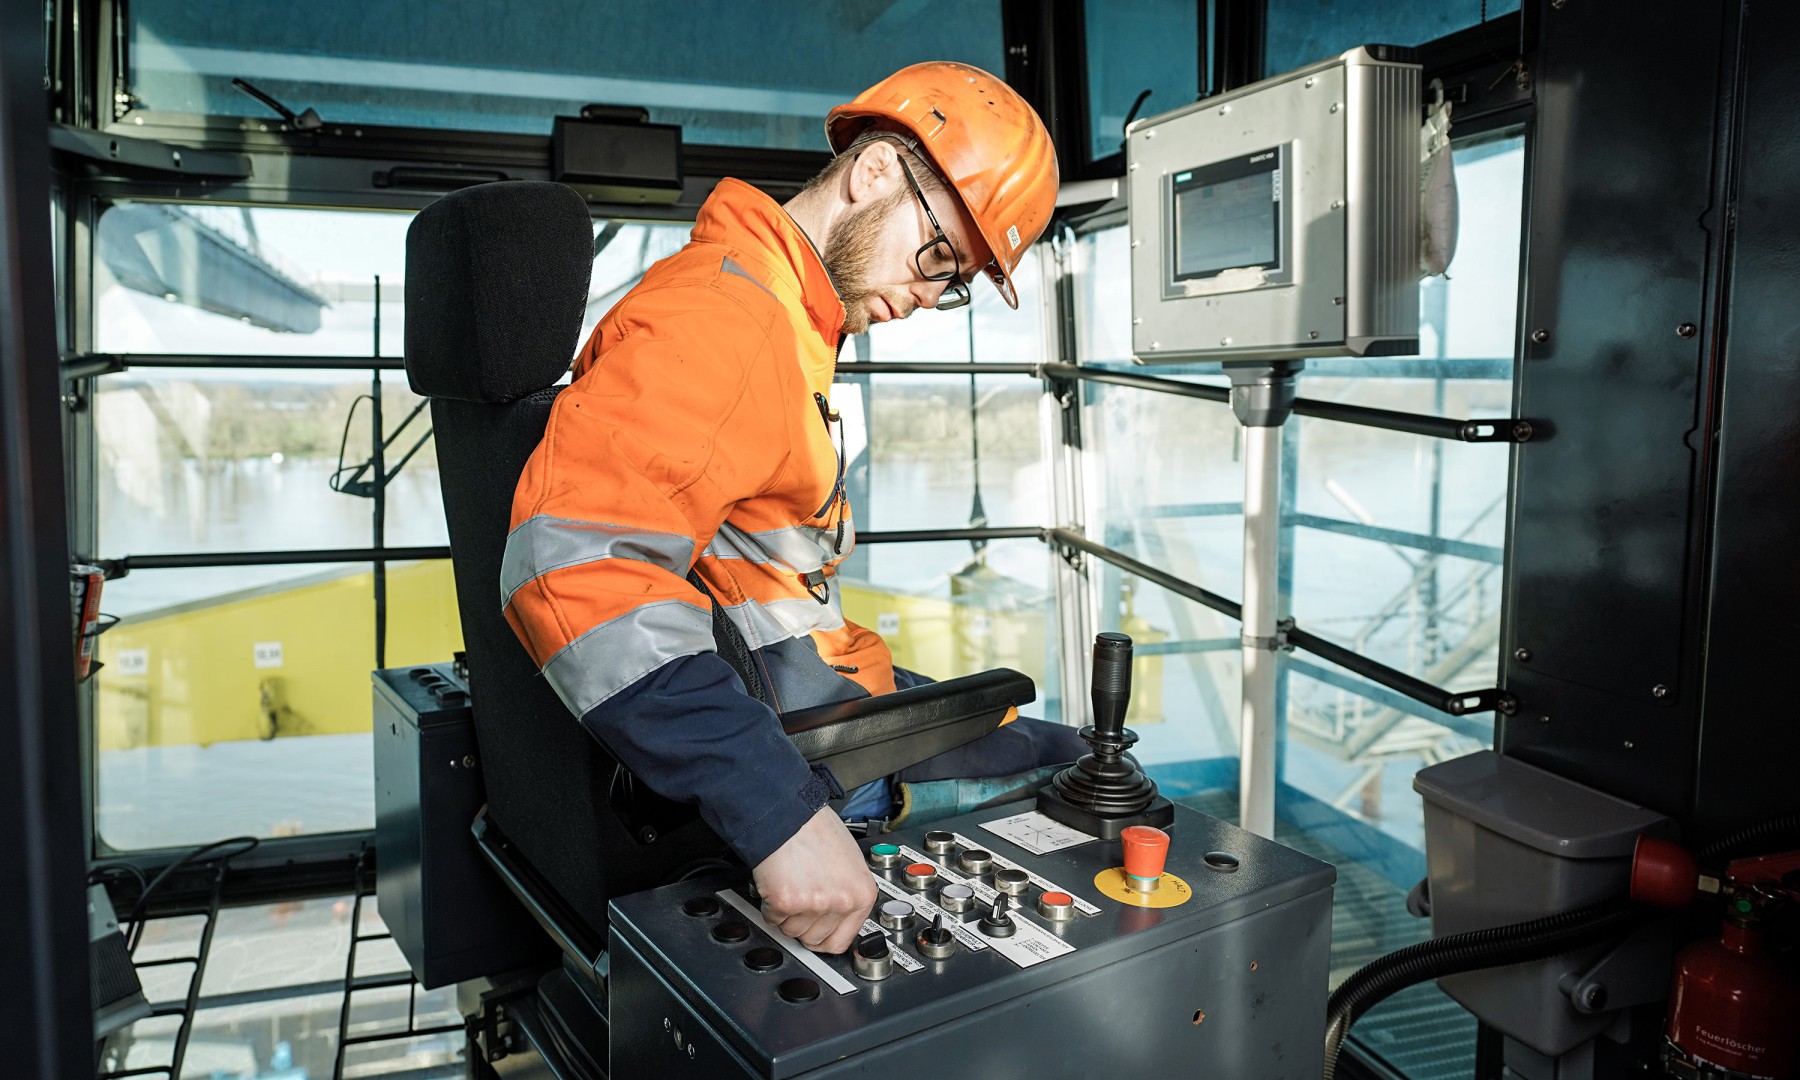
(1012,236)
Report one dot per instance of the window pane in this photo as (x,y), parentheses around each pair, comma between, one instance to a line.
(1303,31)
(1392,544)
(1133,46)
(228,461)
(1179,509)
(946,609)
(1397,541)
(174,278)
(760,73)
(623,250)
(236,701)
(987,331)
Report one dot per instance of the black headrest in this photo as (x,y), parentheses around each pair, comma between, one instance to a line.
(496,287)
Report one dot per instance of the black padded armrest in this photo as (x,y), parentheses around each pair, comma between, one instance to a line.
(871,737)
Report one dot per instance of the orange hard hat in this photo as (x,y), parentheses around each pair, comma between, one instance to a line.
(982,137)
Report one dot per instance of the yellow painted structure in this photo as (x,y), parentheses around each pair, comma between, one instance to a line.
(209,672)
(200,682)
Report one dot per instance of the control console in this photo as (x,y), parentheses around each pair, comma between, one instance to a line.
(1002,943)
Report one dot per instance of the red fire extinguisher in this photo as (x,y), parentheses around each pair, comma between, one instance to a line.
(1734,1010)
(1731,1005)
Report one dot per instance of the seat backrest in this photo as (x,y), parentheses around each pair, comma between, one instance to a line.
(496,287)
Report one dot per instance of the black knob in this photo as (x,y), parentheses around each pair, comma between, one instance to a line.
(872,959)
(999,922)
(731,933)
(798,991)
(872,946)
(936,941)
(1112,684)
(701,907)
(762,958)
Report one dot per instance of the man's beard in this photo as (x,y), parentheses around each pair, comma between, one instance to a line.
(850,254)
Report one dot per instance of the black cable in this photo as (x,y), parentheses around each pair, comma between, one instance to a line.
(98,874)
(1771,832)
(335,481)
(139,910)
(1495,946)
(1131,113)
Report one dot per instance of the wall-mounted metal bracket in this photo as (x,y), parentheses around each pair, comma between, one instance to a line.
(1276,642)
(148,154)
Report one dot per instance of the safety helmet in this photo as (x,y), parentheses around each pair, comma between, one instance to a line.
(982,137)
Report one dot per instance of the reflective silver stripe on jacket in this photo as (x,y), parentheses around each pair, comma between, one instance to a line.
(800,548)
(608,658)
(730,266)
(543,543)
(764,623)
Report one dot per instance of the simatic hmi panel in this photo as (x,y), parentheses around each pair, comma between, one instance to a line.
(1281,220)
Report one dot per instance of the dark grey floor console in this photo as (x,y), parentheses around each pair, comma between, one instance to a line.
(1066,982)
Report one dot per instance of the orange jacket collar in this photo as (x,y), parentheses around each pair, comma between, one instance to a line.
(743,217)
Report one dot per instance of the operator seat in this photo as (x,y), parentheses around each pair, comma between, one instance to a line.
(496,287)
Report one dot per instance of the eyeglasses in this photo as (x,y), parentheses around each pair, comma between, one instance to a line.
(940,251)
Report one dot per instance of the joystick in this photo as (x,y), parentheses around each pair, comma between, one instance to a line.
(1105,792)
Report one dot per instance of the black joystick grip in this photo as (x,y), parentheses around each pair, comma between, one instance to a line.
(1105,792)
(1112,684)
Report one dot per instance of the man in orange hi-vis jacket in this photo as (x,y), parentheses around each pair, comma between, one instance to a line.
(698,438)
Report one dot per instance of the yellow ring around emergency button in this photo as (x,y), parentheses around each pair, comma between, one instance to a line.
(1170,892)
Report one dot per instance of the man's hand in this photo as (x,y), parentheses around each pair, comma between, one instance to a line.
(815,887)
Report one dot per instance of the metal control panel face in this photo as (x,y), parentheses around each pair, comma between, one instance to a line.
(970,927)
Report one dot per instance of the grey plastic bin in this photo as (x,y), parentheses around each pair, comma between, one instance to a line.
(1506,842)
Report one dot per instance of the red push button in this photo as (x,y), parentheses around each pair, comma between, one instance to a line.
(1146,849)
(1056,905)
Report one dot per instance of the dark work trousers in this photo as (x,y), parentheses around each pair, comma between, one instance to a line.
(1010,762)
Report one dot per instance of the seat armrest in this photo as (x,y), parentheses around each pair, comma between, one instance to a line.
(866,738)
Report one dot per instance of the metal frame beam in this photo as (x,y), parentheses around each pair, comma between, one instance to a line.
(43,945)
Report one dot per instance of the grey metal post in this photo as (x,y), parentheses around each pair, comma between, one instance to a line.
(1262,397)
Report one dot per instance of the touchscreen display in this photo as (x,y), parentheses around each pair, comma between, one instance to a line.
(1228,215)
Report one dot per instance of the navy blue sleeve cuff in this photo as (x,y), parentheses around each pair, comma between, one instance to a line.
(691,733)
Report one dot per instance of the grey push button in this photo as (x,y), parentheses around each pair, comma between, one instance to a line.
(895,915)
(940,843)
(956,898)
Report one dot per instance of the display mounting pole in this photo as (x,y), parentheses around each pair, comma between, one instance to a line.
(1262,397)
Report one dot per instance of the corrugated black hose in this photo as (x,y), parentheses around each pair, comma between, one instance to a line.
(1765,836)
(1495,946)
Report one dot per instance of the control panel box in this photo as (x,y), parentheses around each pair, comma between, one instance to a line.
(1001,944)
(1280,220)
(448,912)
